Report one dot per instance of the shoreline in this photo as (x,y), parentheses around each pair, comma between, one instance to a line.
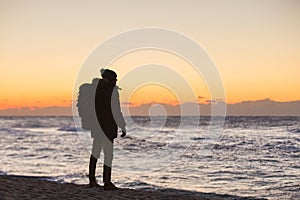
(23,187)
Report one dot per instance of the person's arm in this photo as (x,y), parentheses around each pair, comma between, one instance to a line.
(116,110)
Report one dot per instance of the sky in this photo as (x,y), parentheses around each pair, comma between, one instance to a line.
(254,45)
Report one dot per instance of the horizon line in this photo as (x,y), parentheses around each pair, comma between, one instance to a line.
(265,107)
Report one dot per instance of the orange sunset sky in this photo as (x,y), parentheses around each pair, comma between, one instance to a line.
(255,45)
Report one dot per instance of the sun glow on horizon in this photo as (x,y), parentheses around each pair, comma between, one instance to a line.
(155,94)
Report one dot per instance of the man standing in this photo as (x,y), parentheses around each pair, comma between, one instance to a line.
(110,117)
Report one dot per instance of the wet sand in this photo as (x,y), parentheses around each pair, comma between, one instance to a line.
(14,187)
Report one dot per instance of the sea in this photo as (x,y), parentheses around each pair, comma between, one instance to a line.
(249,156)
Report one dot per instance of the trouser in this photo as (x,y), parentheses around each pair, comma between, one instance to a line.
(104,143)
(99,143)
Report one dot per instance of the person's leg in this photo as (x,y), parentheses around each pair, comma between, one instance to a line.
(92,171)
(108,151)
(96,150)
(108,157)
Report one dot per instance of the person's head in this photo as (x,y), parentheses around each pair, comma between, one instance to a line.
(109,75)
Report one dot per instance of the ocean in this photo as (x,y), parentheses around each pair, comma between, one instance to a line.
(252,156)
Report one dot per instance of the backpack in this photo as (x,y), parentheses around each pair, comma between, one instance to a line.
(86,105)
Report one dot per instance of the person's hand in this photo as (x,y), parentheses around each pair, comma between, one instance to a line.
(123,133)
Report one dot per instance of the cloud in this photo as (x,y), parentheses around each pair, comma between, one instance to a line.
(37,111)
(215,101)
(143,109)
(264,107)
(127,103)
(210,101)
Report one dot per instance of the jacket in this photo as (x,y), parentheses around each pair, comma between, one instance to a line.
(108,110)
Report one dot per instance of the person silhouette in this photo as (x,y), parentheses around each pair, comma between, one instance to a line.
(109,117)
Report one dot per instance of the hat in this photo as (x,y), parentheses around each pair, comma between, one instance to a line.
(108,74)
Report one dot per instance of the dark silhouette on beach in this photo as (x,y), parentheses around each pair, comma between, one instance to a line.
(100,112)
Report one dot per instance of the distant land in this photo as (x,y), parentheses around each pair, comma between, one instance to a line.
(265,107)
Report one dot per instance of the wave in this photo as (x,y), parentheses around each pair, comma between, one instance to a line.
(295,130)
(12,131)
(68,128)
(197,138)
(35,122)
(3,173)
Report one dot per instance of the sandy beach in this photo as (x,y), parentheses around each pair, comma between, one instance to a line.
(15,187)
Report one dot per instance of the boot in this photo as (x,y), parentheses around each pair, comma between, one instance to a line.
(92,170)
(108,185)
